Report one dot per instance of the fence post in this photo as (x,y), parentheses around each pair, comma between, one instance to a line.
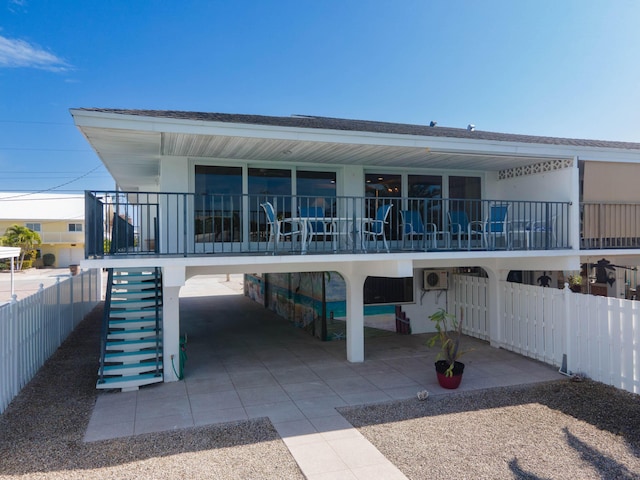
(72,318)
(58,312)
(568,361)
(15,387)
(42,319)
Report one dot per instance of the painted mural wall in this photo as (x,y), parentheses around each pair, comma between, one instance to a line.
(298,297)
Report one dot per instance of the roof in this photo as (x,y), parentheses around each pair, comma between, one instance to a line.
(329,123)
(9,252)
(41,206)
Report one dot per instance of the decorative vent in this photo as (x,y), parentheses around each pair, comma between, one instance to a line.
(549,166)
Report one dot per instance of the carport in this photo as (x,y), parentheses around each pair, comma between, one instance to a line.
(11,253)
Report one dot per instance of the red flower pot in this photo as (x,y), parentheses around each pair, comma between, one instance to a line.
(453,381)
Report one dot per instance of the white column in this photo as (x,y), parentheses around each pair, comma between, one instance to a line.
(355,316)
(171,332)
(173,278)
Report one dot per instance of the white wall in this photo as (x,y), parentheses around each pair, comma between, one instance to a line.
(426,302)
(555,186)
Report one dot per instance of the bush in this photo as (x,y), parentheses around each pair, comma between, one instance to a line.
(48,259)
(26,264)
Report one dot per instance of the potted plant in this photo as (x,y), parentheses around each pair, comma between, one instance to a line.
(448,332)
(575,283)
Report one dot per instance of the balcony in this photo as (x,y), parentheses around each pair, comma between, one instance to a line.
(607,225)
(185,224)
(62,237)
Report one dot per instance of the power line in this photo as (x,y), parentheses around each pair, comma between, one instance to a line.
(57,186)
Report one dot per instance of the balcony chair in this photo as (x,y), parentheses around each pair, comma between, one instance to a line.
(317,225)
(375,228)
(276,231)
(460,227)
(413,226)
(546,229)
(496,225)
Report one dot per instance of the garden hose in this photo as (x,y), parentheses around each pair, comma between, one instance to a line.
(183,358)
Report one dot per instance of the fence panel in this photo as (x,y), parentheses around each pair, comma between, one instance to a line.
(605,340)
(470,298)
(600,336)
(33,328)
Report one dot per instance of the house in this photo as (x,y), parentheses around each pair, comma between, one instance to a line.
(57,217)
(389,210)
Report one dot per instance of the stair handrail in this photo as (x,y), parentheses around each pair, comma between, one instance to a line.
(105,325)
(158,288)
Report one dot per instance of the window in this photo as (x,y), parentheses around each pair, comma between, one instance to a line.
(75,227)
(466,192)
(217,203)
(428,187)
(317,189)
(385,290)
(384,189)
(36,227)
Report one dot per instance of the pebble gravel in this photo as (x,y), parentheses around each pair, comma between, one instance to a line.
(558,430)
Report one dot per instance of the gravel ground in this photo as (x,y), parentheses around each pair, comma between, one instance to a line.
(558,430)
(41,432)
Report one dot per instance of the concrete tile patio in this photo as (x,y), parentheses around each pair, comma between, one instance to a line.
(246,362)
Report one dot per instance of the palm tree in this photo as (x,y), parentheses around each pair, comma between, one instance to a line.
(23,237)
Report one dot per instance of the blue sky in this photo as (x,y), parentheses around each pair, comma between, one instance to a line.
(566,68)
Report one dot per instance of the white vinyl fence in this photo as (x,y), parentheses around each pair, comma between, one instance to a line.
(598,337)
(33,328)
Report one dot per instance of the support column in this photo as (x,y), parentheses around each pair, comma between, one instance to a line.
(173,278)
(355,316)
(171,332)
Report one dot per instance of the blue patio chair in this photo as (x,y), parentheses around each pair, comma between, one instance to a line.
(547,230)
(497,225)
(276,231)
(413,226)
(375,228)
(461,228)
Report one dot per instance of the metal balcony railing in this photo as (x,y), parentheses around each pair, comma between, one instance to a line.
(185,224)
(609,225)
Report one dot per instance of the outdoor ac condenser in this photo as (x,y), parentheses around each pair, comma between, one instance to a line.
(435,280)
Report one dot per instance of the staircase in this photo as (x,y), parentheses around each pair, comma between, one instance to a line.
(131,346)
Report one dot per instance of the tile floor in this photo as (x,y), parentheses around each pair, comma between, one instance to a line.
(246,362)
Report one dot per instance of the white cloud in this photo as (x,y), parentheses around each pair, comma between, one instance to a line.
(18,53)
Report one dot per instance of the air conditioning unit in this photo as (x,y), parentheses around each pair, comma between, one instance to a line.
(435,280)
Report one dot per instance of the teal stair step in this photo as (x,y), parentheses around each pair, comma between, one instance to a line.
(134,284)
(132,323)
(132,345)
(131,334)
(131,382)
(134,356)
(124,314)
(135,295)
(133,304)
(131,368)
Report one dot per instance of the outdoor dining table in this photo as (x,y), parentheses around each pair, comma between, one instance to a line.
(336,227)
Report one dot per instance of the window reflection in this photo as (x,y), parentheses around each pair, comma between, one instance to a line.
(218,204)
(317,189)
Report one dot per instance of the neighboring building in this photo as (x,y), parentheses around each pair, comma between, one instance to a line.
(194,189)
(58,218)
